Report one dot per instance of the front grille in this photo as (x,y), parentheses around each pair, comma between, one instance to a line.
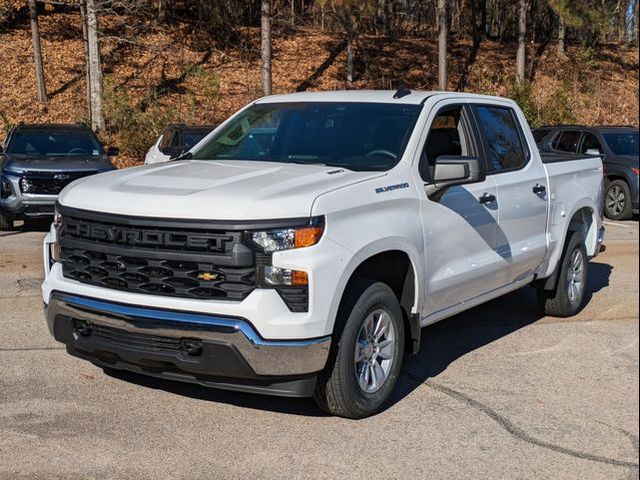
(49,183)
(158,259)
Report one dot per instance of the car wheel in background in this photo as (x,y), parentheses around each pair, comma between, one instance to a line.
(617,200)
(6,223)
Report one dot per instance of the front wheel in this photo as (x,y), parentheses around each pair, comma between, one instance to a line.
(364,365)
(567,298)
(6,223)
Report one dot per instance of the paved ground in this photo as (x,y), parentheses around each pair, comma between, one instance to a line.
(498,392)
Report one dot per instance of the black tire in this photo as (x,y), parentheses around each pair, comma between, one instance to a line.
(338,391)
(617,201)
(558,302)
(6,224)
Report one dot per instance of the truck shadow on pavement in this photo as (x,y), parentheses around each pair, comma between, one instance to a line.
(442,344)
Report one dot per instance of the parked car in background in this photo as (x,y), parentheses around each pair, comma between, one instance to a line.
(618,147)
(38,161)
(300,248)
(174,140)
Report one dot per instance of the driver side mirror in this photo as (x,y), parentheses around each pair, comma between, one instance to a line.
(595,152)
(113,152)
(452,170)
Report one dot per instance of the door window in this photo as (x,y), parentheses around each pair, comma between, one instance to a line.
(165,142)
(448,136)
(567,141)
(589,142)
(503,138)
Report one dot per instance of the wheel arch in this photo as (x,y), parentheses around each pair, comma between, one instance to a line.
(397,268)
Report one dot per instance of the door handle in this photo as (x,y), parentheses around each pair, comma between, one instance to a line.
(538,189)
(487,198)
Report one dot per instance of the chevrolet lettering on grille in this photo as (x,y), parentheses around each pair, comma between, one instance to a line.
(146,238)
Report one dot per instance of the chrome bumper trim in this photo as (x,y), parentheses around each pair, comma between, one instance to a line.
(266,357)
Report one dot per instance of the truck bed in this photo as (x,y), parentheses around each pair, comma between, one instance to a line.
(563,157)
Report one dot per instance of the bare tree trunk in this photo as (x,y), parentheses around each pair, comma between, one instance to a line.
(266,47)
(442,44)
(522,39)
(37,51)
(85,44)
(350,58)
(95,67)
(293,13)
(562,53)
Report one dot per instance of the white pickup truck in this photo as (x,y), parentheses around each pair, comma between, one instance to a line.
(300,247)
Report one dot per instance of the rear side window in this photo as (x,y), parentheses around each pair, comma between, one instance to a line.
(502,136)
(567,141)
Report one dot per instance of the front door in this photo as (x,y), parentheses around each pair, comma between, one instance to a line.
(460,226)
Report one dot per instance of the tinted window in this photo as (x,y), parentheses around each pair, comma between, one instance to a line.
(590,142)
(189,139)
(622,143)
(165,141)
(540,133)
(54,143)
(502,137)
(567,141)
(357,136)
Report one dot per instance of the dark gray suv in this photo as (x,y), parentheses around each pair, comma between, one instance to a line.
(618,147)
(38,161)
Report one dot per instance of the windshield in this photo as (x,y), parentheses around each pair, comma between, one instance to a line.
(356,136)
(189,139)
(622,143)
(54,144)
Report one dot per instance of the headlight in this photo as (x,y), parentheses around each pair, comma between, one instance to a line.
(55,246)
(5,187)
(271,241)
(25,185)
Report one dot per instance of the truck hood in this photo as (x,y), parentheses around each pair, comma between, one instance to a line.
(22,164)
(213,190)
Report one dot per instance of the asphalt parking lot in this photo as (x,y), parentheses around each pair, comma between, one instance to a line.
(497,392)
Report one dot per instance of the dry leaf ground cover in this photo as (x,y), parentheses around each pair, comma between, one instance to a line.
(178,73)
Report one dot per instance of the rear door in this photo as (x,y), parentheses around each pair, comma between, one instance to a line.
(522,196)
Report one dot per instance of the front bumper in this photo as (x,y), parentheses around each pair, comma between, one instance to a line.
(28,206)
(223,352)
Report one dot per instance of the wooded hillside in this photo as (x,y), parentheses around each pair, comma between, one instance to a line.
(197,62)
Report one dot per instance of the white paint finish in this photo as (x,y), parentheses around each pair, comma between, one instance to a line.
(454,245)
(202,189)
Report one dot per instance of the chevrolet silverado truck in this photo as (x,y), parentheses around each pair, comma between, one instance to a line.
(300,248)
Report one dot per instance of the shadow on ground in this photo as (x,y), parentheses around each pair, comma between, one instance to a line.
(442,344)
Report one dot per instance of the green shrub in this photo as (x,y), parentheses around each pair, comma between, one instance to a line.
(132,129)
(522,93)
(558,108)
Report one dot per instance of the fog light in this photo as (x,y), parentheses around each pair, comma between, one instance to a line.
(283,276)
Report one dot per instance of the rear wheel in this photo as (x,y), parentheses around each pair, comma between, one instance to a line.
(617,201)
(365,362)
(567,298)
